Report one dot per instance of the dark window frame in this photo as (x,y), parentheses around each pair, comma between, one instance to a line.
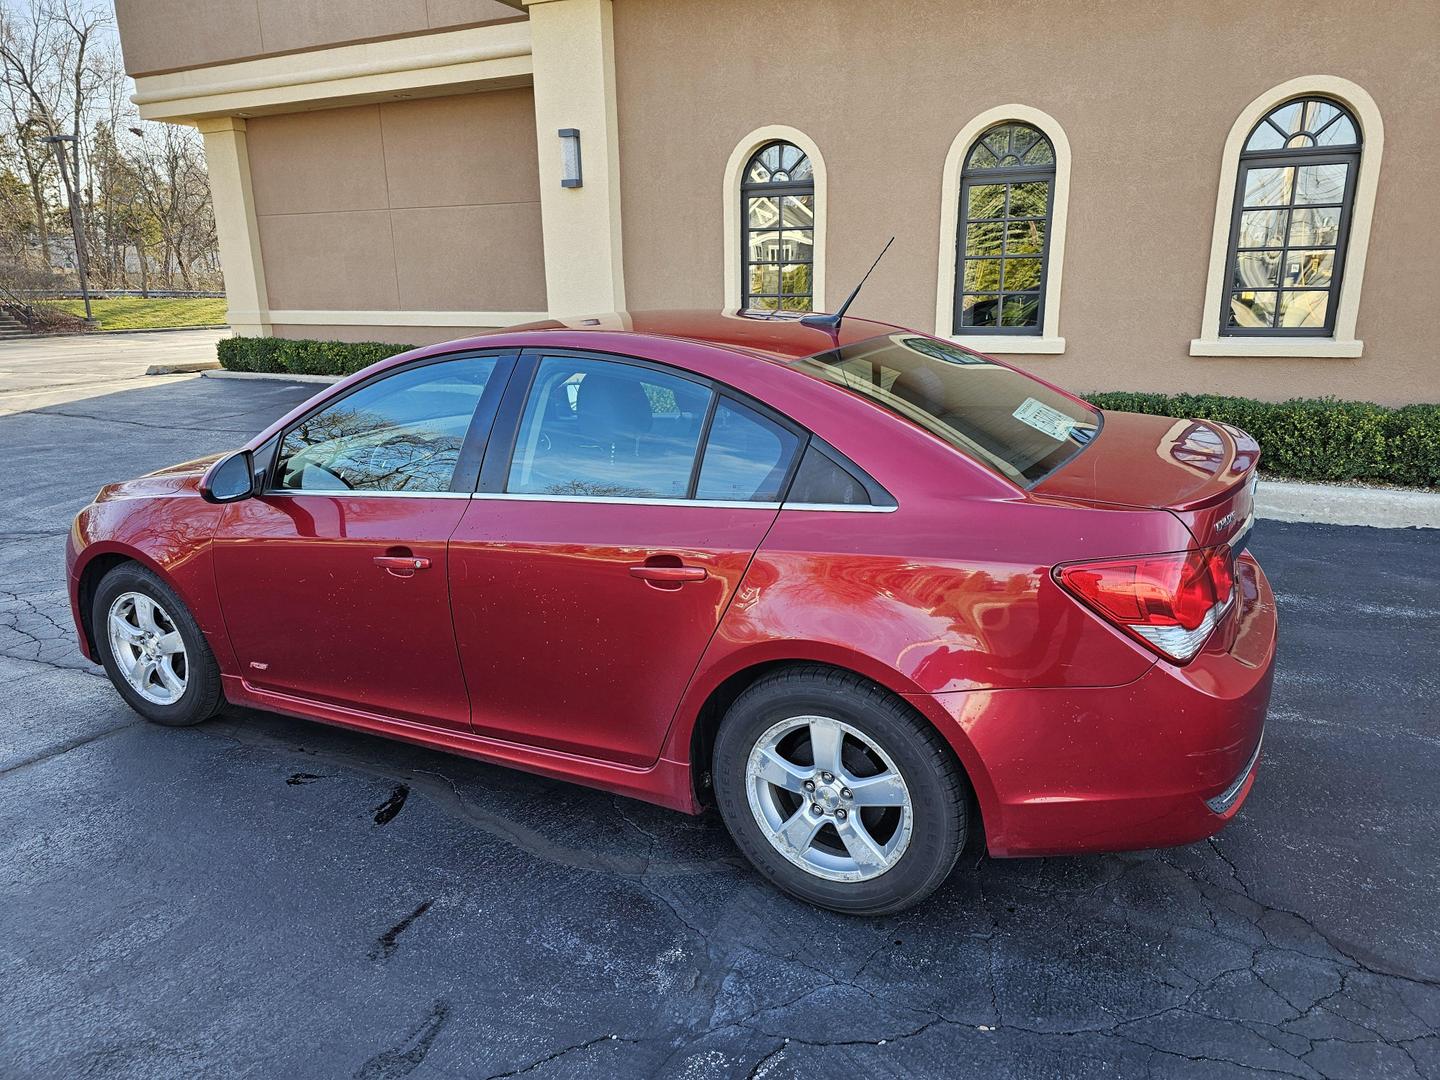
(764,190)
(1293,157)
(973,176)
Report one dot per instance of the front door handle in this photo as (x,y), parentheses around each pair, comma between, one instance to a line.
(401,565)
(669,574)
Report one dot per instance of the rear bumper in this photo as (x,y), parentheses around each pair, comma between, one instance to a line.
(1167,759)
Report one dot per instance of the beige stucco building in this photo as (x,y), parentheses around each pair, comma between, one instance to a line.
(1227,197)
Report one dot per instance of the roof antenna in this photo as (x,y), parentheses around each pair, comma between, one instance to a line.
(831,323)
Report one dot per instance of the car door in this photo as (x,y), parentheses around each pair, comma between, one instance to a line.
(333,581)
(591,570)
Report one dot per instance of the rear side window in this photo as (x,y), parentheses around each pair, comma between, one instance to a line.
(606,429)
(399,433)
(1000,417)
(747,456)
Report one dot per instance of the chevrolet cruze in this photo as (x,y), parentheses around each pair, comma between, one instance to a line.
(872,594)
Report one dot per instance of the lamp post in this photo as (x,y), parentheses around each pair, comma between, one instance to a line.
(77,226)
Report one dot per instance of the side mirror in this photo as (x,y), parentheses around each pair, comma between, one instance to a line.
(230,479)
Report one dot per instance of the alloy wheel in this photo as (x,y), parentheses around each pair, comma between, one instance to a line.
(148,648)
(829,799)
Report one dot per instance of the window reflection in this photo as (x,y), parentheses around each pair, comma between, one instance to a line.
(1293,201)
(598,428)
(746,457)
(403,432)
(1005,194)
(778,199)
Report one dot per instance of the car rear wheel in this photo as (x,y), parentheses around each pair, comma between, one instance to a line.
(153,650)
(839,792)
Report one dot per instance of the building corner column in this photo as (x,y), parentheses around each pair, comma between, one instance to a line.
(573,55)
(236,228)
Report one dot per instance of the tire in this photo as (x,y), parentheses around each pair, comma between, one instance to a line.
(124,589)
(878,735)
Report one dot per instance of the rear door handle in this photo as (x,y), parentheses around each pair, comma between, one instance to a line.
(401,565)
(678,574)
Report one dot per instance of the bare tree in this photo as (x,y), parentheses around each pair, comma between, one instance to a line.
(140,186)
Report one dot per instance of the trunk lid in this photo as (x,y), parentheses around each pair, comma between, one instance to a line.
(1202,471)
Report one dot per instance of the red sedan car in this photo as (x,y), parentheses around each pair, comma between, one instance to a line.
(873,594)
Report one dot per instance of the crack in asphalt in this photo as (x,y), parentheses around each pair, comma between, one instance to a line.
(60,749)
(154,426)
(558,1054)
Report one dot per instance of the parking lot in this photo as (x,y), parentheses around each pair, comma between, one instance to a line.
(260,896)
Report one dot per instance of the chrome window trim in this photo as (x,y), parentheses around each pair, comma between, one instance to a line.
(350,493)
(842,508)
(618,500)
(622,500)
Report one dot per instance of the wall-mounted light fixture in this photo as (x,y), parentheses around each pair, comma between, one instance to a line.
(570,157)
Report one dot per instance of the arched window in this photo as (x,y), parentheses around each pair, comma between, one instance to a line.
(777,222)
(1007,190)
(1294,194)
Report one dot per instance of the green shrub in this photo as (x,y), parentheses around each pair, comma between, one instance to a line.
(287,357)
(1315,438)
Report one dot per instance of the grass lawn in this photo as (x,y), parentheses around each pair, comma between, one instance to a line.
(138,313)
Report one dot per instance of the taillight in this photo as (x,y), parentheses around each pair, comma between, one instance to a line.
(1171,602)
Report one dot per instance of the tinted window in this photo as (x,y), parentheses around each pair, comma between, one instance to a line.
(820,480)
(399,433)
(1015,425)
(597,427)
(746,456)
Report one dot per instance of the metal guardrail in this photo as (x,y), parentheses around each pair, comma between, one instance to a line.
(110,294)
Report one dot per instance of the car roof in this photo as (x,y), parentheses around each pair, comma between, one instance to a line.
(769,335)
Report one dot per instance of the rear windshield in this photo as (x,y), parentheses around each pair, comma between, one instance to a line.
(1005,420)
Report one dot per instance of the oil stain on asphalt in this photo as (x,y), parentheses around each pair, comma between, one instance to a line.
(386,811)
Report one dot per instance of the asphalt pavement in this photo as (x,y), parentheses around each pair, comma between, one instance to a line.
(260,896)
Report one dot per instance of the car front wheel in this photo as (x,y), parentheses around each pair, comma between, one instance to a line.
(153,649)
(839,792)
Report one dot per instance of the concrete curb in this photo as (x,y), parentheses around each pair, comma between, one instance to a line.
(1333,504)
(1276,500)
(183,369)
(221,373)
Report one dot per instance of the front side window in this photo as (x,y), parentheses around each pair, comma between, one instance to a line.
(600,428)
(400,433)
(1006,193)
(1002,418)
(1293,200)
(777,222)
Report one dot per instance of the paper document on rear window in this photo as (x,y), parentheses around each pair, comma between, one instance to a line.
(1044,419)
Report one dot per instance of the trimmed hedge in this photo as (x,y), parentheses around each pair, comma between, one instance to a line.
(288,357)
(1315,438)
